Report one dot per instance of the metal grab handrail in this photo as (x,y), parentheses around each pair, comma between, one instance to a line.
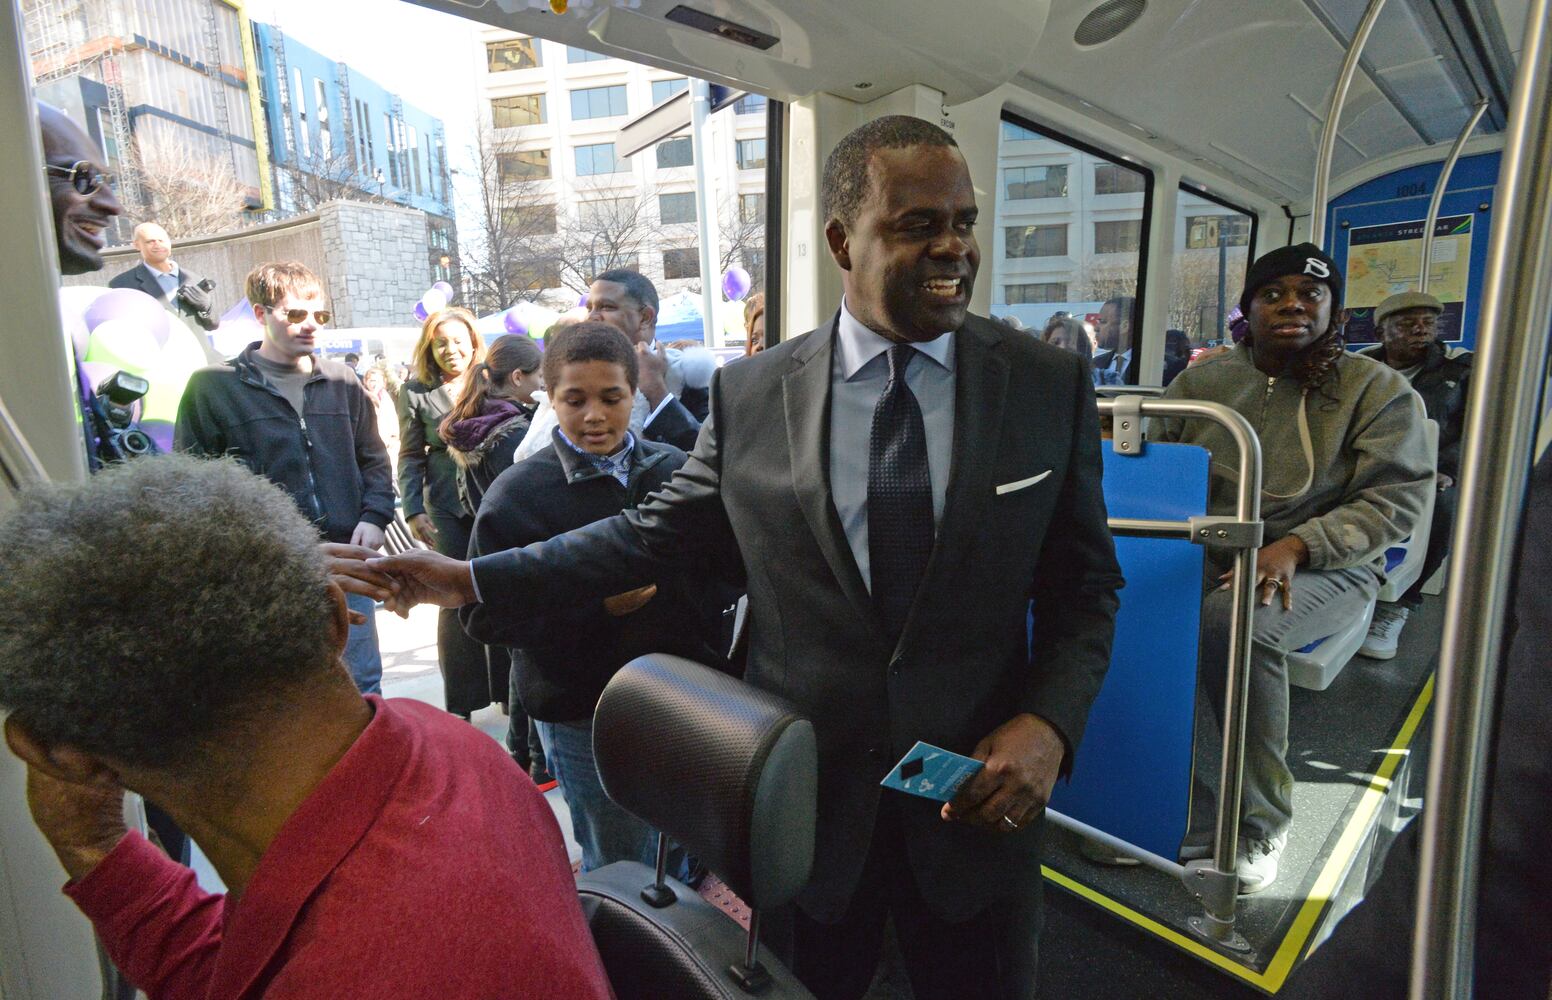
(1499,438)
(1327,150)
(1217,888)
(1437,201)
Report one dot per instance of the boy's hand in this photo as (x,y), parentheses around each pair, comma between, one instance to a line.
(348,570)
(632,600)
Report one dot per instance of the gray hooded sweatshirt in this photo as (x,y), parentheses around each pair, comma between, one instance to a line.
(1356,487)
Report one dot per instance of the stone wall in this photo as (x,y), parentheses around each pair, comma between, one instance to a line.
(373,259)
(377,258)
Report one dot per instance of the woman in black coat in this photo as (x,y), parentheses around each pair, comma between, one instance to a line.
(448,349)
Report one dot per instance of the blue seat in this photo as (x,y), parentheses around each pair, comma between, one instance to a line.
(1132,775)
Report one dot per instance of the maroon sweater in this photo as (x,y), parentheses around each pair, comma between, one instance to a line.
(425,864)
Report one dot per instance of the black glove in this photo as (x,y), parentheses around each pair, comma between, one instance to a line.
(195,296)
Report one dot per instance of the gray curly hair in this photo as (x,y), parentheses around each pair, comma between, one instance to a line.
(148,611)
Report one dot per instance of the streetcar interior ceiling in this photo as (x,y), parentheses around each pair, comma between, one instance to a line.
(1239,91)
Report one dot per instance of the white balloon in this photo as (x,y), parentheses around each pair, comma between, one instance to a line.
(434,300)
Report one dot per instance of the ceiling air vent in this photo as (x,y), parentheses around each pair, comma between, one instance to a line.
(1108,20)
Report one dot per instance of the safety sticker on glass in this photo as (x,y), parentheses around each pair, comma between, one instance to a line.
(931,772)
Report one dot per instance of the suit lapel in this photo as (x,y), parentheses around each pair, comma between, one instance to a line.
(148,283)
(806,394)
(980,392)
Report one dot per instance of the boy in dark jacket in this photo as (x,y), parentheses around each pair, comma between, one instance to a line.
(303,423)
(595,468)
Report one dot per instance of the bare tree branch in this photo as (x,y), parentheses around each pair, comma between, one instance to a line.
(610,228)
(188,190)
(512,257)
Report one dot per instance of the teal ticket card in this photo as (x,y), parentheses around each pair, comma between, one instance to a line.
(931,772)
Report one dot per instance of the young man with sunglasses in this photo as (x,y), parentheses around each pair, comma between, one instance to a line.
(303,422)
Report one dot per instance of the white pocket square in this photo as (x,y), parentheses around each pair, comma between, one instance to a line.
(1021,484)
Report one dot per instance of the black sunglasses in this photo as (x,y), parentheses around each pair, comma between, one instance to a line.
(295,316)
(84,176)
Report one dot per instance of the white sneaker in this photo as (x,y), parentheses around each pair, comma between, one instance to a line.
(1256,863)
(1384,631)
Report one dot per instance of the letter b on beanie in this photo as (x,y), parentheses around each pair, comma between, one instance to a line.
(1301,258)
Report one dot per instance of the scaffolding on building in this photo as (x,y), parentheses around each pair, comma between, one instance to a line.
(67,38)
(342,76)
(277,43)
(211,42)
(401,151)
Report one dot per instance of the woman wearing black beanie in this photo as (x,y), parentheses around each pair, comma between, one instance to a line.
(1346,472)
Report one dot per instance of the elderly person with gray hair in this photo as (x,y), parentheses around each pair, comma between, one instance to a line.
(169,628)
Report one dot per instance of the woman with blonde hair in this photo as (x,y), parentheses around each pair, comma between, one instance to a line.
(448,349)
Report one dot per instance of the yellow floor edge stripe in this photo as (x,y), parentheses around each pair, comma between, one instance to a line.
(1293,942)
(1282,963)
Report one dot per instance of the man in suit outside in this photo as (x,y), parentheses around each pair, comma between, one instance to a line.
(902,484)
(627,300)
(160,277)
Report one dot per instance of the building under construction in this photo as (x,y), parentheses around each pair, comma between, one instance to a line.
(162,75)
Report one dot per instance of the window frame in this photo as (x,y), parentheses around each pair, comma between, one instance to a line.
(679,198)
(1222,202)
(544,111)
(738,153)
(534,49)
(606,88)
(673,142)
(512,178)
(694,256)
(684,82)
(1048,167)
(1065,227)
(620,167)
(1150,181)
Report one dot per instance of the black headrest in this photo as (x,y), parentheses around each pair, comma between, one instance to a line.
(725,769)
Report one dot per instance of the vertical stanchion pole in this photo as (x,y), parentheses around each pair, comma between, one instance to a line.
(1499,439)
(1437,202)
(705,207)
(1327,148)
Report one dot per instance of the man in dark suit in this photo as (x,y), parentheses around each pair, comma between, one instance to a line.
(1116,360)
(901,484)
(160,277)
(627,301)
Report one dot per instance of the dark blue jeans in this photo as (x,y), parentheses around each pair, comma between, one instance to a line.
(361,653)
(606,832)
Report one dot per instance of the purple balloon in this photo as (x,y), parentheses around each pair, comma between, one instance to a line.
(420,312)
(514,323)
(133,306)
(735,283)
(445,289)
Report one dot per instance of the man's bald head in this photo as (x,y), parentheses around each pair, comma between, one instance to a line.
(81,218)
(154,244)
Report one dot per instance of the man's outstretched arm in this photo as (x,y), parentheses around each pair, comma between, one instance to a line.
(679,526)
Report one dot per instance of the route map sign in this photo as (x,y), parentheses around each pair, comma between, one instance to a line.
(1384,260)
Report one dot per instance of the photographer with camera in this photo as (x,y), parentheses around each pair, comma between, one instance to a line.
(160,277)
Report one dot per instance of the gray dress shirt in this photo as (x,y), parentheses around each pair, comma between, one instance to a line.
(860,370)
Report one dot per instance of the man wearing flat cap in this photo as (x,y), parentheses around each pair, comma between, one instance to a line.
(1408,323)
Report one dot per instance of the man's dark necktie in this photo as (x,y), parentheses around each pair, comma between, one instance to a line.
(900,525)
